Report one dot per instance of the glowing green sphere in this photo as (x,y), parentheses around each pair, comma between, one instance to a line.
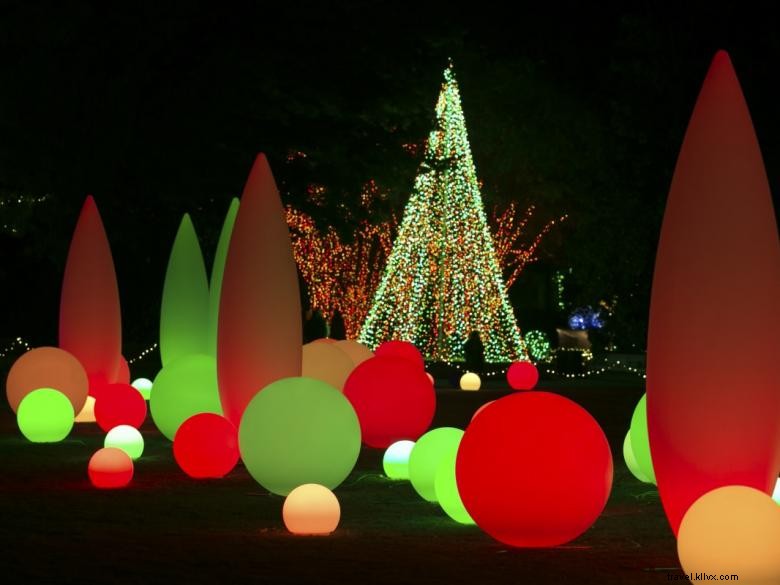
(446,488)
(640,442)
(296,431)
(144,386)
(427,454)
(45,416)
(396,460)
(127,438)
(628,455)
(183,388)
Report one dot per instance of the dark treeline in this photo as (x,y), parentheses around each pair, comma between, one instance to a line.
(158,109)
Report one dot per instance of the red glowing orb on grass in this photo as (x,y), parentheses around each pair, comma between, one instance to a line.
(401,349)
(119,404)
(534,469)
(392,398)
(522,376)
(206,446)
(110,468)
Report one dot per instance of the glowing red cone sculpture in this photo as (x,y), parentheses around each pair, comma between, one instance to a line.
(713,391)
(90,318)
(259,335)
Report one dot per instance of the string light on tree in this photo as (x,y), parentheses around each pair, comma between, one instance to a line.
(443,280)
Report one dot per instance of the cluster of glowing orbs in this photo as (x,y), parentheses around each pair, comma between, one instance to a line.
(296,431)
(516,463)
(110,468)
(206,446)
(127,438)
(119,404)
(401,349)
(446,488)
(144,386)
(395,461)
(470,381)
(522,375)
(311,509)
(87,413)
(45,415)
(325,362)
(732,530)
(356,351)
(393,400)
(428,452)
(630,459)
(47,367)
(182,389)
(640,442)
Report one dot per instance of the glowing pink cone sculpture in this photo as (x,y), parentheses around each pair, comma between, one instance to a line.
(713,390)
(90,318)
(259,334)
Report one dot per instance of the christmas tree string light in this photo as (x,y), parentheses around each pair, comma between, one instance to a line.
(443,280)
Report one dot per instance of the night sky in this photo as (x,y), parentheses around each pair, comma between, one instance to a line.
(159,109)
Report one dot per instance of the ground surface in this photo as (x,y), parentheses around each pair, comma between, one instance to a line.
(55,528)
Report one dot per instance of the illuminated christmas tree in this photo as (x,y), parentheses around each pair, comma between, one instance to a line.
(442,280)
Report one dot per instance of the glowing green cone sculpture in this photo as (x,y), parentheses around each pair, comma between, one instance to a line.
(45,416)
(640,441)
(217,270)
(297,431)
(442,280)
(184,317)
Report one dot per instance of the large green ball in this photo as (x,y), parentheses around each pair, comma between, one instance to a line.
(640,441)
(296,431)
(184,388)
(446,488)
(45,416)
(428,452)
(630,459)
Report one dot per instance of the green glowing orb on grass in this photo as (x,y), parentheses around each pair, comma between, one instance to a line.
(396,460)
(630,459)
(446,488)
(126,438)
(296,431)
(640,441)
(183,388)
(45,416)
(428,453)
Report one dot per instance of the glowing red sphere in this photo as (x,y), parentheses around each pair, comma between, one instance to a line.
(119,404)
(522,376)
(110,468)
(206,446)
(393,399)
(401,349)
(534,469)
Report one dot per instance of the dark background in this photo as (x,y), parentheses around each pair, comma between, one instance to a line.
(159,109)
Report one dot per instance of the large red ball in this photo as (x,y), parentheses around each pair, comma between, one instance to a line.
(119,404)
(401,349)
(393,399)
(534,469)
(206,446)
(522,376)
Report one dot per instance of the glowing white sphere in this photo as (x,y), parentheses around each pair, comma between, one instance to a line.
(396,460)
(311,509)
(470,381)
(126,438)
(144,386)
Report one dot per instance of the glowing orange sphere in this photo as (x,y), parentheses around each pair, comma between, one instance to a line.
(311,509)
(47,367)
(522,376)
(110,468)
(206,446)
